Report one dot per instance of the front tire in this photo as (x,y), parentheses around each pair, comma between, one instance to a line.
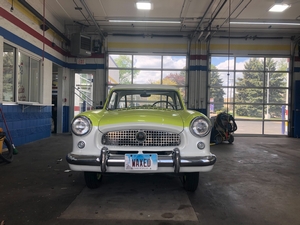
(190,181)
(92,179)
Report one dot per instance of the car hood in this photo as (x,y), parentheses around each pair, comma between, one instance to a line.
(136,116)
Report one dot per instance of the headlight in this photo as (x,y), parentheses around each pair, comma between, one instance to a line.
(81,125)
(200,126)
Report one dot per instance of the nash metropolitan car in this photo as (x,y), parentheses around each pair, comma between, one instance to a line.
(142,129)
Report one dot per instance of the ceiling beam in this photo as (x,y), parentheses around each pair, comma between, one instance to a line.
(92,17)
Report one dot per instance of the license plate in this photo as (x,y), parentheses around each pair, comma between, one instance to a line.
(140,161)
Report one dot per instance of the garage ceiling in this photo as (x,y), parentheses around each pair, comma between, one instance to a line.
(195,18)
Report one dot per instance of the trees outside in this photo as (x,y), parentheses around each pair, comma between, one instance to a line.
(125,75)
(175,79)
(275,80)
(216,91)
(178,79)
(250,88)
(251,91)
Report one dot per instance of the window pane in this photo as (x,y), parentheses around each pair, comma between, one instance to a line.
(276,119)
(274,127)
(229,92)
(249,127)
(252,64)
(174,62)
(250,79)
(276,79)
(23,77)
(174,78)
(275,112)
(34,81)
(119,76)
(248,111)
(249,95)
(120,61)
(278,96)
(28,79)
(112,102)
(8,73)
(228,78)
(221,63)
(215,79)
(240,62)
(147,77)
(228,108)
(277,64)
(216,96)
(221,78)
(146,62)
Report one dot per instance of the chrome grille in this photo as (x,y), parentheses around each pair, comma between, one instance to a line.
(152,138)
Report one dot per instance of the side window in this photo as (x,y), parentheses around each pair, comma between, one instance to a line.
(177,102)
(21,76)
(111,104)
(34,92)
(28,78)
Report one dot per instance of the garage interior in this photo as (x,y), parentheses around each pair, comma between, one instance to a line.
(61,58)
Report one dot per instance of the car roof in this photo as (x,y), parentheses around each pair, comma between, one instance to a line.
(144,86)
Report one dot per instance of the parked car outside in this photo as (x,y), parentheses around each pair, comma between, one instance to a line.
(142,129)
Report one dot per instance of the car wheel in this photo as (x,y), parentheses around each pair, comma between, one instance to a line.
(218,139)
(92,179)
(190,181)
(231,139)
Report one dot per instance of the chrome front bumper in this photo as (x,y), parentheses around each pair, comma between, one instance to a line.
(106,159)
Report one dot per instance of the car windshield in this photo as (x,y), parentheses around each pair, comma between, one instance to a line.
(166,99)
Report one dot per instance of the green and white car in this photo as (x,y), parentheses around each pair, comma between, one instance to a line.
(142,129)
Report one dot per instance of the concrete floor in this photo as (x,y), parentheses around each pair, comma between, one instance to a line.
(255,181)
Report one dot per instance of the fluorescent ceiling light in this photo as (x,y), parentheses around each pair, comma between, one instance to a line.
(265,23)
(144,21)
(279,7)
(143,5)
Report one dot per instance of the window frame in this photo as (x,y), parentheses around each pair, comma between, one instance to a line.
(16,70)
(161,70)
(230,86)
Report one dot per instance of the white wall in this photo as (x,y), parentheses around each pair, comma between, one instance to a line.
(20,13)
